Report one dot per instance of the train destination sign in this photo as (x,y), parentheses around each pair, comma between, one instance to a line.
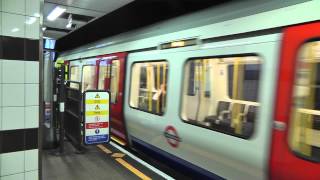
(96,117)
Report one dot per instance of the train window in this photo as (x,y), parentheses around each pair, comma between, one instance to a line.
(115,77)
(104,76)
(148,86)
(88,77)
(74,76)
(222,94)
(304,132)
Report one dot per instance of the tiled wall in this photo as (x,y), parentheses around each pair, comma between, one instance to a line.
(19,89)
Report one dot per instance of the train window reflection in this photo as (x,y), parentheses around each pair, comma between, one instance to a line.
(74,76)
(304,136)
(104,76)
(222,94)
(88,78)
(148,86)
(114,84)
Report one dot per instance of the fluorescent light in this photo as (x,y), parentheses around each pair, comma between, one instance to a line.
(15,30)
(55,13)
(36,14)
(31,20)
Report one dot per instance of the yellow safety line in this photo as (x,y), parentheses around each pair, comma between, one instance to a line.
(118,140)
(104,149)
(132,169)
(118,155)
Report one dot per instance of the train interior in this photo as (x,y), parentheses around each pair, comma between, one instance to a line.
(305,107)
(222,93)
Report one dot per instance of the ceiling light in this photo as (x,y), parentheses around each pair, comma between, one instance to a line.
(44,28)
(15,30)
(31,20)
(36,14)
(55,13)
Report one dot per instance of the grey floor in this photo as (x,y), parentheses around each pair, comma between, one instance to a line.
(93,165)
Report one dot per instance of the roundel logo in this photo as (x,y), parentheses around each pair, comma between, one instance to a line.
(172,136)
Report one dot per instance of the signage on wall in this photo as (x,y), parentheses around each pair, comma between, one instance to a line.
(96,117)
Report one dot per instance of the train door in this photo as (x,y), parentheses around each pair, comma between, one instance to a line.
(295,150)
(111,77)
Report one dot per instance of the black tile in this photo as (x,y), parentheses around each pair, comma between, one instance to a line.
(12,141)
(1,47)
(31,50)
(12,48)
(18,140)
(31,139)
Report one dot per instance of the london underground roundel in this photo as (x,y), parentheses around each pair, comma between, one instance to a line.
(172,136)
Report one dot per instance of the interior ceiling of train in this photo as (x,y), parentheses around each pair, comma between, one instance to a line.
(105,18)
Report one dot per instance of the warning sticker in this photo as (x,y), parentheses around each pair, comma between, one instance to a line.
(96,117)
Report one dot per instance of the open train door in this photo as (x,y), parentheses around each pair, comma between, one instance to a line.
(111,76)
(295,150)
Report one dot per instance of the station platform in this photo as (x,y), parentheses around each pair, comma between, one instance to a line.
(97,163)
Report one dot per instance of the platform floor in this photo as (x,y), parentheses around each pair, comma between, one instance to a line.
(98,163)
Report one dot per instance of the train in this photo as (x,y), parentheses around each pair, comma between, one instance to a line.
(230,92)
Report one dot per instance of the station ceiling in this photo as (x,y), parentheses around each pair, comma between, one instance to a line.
(82,11)
(120,17)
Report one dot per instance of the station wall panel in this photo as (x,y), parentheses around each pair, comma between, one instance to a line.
(19,89)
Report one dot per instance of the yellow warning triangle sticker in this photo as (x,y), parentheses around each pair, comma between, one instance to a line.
(97,107)
(97,96)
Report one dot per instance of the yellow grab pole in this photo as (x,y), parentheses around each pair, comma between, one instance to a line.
(149,87)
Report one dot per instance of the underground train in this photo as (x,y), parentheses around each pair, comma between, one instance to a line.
(225,93)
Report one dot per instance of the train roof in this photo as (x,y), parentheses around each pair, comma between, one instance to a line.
(223,20)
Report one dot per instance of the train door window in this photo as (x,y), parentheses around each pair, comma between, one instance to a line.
(304,132)
(88,77)
(222,94)
(104,75)
(114,84)
(148,86)
(74,76)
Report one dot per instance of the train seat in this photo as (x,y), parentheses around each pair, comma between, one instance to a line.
(223,111)
(248,121)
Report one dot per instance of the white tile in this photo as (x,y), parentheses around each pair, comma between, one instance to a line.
(0,20)
(13,177)
(31,160)
(14,6)
(13,25)
(0,119)
(12,118)
(32,27)
(32,94)
(0,63)
(31,72)
(33,8)
(12,94)
(12,163)
(0,95)
(13,71)
(31,116)
(32,175)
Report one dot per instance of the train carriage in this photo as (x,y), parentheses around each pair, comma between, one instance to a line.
(233,98)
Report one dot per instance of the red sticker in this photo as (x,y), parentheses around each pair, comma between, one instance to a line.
(172,136)
(97,125)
